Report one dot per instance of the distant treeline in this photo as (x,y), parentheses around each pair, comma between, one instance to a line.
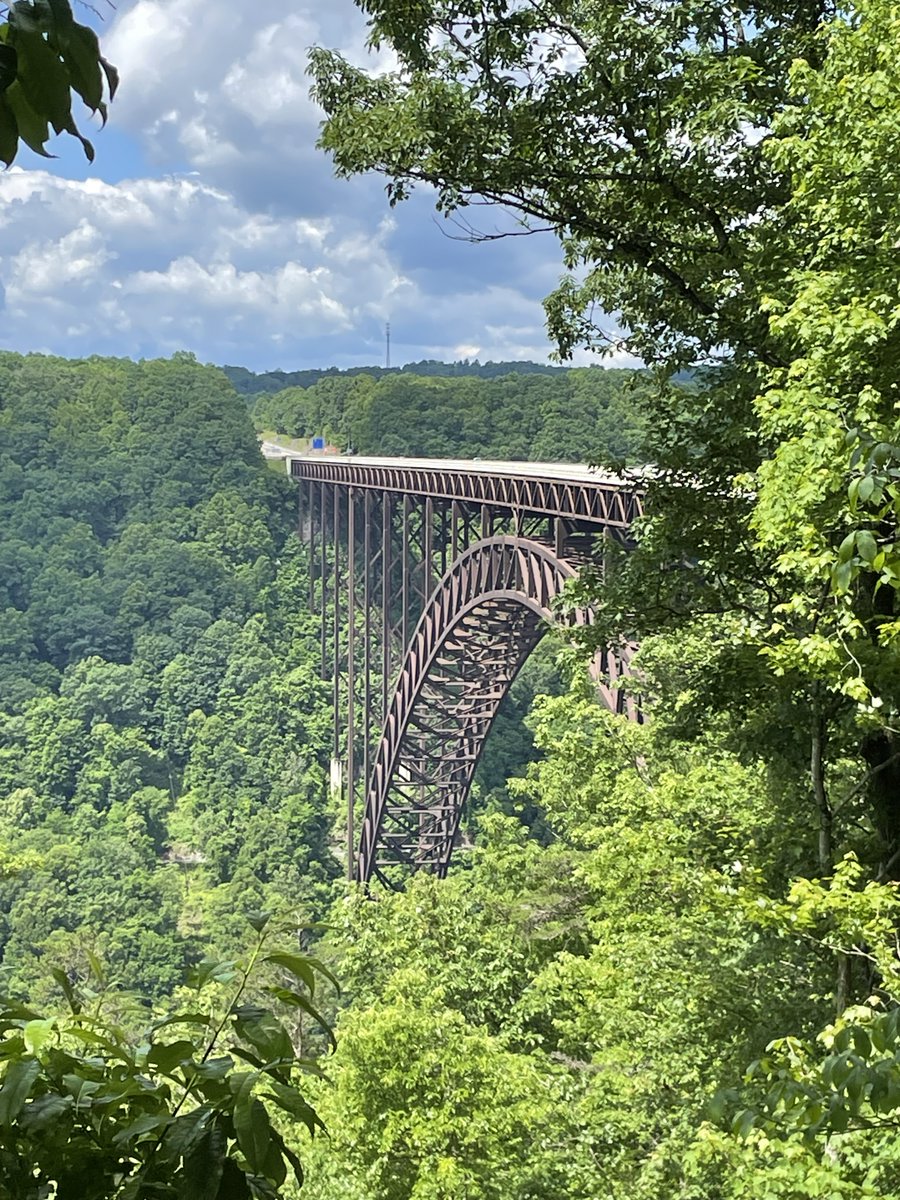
(548,414)
(248,383)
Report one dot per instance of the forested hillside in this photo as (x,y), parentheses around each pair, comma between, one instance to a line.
(580,415)
(162,730)
(252,383)
(639,914)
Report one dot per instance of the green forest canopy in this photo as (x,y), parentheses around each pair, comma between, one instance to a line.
(573,1011)
(250,383)
(580,415)
(668,966)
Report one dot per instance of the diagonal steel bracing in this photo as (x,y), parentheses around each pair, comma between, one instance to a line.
(434,583)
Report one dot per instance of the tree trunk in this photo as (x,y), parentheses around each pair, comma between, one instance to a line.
(826,847)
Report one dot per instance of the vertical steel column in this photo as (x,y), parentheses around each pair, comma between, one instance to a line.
(559,536)
(367,638)
(443,539)
(336,592)
(487,520)
(311,554)
(454,531)
(404,575)
(323,576)
(351,676)
(427,551)
(387,570)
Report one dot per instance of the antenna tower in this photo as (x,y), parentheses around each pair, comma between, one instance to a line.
(387,344)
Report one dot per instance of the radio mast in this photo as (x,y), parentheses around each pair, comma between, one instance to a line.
(387,344)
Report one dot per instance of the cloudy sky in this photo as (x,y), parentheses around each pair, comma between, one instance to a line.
(210,222)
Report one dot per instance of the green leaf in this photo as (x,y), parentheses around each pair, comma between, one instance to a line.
(68,991)
(32,126)
(79,1087)
(146,1123)
(251,1125)
(80,51)
(9,132)
(292,1102)
(24,16)
(203,1167)
(112,77)
(247,1056)
(295,1162)
(211,971)
(61,14)
(165,1056)
(17,1083)
(842,577)
(298,965)
(846,548)
(275,1169)
(305,967)
(234,1184)
(866,488)
(44,79)
(8,66)
(866,546)
(214,1068)
(185,1132)
(259,920)
(743,1123)
(45,1114)
(298,1000)
(838,1118)
(862,1043)
(37,1034)
(97,970)
(264,1032)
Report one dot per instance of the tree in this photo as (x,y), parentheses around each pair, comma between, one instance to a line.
(88,1111)
(633,133)
(582,999)
(46,58)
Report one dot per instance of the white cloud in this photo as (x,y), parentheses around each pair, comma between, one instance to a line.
(175,255)
(205,88)
(247,250)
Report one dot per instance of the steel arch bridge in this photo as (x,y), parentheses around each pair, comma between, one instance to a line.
(435,579)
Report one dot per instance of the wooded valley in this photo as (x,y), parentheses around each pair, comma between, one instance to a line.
(619,990)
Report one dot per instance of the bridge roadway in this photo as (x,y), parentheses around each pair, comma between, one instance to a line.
(573,491)
(436,578)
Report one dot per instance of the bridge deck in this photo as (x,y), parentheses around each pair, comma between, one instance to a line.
(571,490)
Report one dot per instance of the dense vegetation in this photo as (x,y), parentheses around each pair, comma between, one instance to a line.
(572,416)
(252,383)
(669,966)
(162,731)
(570,1014)
(719,177)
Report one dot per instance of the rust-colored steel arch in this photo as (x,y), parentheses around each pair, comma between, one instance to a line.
(481,623)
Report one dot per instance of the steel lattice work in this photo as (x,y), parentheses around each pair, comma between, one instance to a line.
(435,582)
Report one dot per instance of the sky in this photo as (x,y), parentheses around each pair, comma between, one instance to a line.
(209,221)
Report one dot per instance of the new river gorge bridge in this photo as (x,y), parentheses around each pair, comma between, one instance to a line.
(435,580)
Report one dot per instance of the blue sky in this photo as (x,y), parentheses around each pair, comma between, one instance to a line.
(209,221)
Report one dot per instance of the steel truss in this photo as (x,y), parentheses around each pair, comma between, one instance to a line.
(433,588)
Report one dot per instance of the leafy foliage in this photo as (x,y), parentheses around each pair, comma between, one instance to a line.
(582,415)
(554,1019)
(86,1112)
(162,729)
(251,383)
(46,58)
